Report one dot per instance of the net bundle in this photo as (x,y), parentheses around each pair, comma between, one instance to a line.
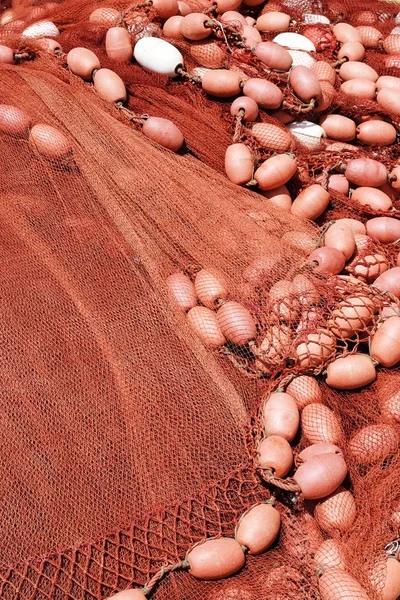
(131,428)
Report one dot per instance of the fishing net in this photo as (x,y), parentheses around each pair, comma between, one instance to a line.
(124,441)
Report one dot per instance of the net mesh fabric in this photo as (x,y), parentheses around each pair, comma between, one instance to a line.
(79,242)
(123,440)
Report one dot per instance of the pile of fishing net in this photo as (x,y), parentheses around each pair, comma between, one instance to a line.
(199,303)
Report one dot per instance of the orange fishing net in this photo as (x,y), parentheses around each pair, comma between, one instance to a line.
(124,441)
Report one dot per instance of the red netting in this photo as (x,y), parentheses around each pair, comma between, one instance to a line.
(124,441)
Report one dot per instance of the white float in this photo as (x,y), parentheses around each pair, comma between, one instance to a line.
(158,56)
(41,29)
(307,133)
(294,41)
(311,19)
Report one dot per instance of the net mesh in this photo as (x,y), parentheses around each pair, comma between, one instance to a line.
(123,440)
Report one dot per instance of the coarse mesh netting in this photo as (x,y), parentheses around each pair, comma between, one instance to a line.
(123,440)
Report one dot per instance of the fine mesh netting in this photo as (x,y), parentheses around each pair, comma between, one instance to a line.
(124,441)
